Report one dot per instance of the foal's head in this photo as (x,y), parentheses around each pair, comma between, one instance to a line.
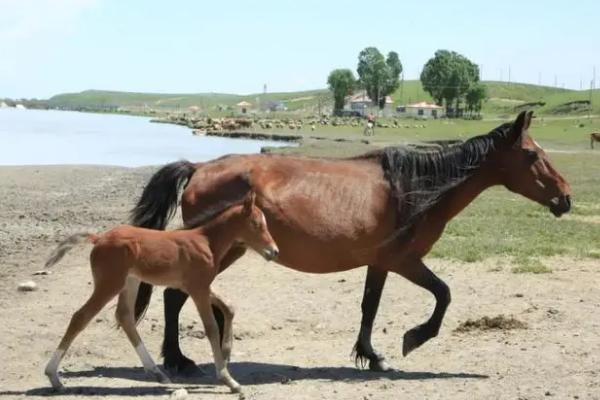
(525,168)
(253,229)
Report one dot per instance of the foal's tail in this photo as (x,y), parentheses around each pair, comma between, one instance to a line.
(67,244)
(155,208)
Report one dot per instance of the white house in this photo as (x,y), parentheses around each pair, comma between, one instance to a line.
(361,103)
(421,109)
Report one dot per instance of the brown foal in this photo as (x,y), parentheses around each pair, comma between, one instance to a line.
(185,259)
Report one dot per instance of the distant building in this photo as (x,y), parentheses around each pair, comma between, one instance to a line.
(274,106)
(361,102)
(244,106)
(3,105)
(421,109)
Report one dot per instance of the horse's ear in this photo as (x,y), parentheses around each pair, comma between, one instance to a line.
(249,203)
(520,125)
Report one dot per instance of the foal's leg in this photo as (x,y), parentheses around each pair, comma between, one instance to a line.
(227,331)
(418,273)
(80,319)
(363,348)
(202,301)
(174,299)
(126,320)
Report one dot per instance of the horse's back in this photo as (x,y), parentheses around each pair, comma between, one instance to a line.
(316,209)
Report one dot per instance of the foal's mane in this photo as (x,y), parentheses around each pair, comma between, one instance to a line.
(419,179)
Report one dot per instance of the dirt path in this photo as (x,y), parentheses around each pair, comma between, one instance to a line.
(294,332)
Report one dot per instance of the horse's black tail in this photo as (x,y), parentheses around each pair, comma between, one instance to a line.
(155,208)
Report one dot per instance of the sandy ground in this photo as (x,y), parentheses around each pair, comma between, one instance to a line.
(294,332)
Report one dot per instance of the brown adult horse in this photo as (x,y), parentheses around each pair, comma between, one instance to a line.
(384,209)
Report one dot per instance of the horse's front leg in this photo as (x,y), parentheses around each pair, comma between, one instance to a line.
(418,273)
(363,349)
(174,300)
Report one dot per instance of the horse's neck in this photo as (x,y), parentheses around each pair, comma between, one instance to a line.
(221,234)
(463,194)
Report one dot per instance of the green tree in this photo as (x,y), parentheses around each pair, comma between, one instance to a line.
(379,76)
(475,97)
(341,83)
(447,77)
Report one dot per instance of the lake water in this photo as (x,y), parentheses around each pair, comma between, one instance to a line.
(36,137)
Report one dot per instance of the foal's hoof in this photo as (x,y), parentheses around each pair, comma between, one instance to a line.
(379,365)
(161,377)
(412,339)
(55,382)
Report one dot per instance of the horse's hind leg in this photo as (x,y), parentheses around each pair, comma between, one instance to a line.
(363,349)
(126,320)
(203,304)
(226,327)
(80,319)
(418,273)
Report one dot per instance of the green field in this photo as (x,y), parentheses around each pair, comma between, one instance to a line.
(504,99)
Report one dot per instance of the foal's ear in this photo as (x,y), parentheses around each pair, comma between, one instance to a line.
(520,125)
(249,203)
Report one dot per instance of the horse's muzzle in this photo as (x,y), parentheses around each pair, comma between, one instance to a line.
(560,205)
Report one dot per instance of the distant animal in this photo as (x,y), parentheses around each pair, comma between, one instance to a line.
(594,137)
(187,259)
(384,209)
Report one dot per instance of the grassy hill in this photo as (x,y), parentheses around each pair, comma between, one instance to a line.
(504,99)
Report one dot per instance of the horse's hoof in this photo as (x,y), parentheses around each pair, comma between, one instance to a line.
(181,366)
(379,365)
(412,339)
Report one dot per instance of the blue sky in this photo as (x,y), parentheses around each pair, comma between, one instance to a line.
(53,46)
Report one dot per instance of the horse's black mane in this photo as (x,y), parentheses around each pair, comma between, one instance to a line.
(420,178)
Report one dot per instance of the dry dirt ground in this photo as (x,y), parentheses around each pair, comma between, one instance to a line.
(294,332)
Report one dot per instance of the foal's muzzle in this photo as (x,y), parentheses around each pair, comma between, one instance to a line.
(560,205)
(271,254)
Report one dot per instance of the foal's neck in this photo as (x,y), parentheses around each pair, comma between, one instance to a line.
(221,233)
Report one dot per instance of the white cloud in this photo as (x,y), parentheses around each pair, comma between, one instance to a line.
(28,19)
(30,30)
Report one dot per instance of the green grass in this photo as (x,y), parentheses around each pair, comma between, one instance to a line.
(530,266)
(503,224)
(504,98)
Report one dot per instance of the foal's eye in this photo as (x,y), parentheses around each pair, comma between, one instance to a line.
(532,155)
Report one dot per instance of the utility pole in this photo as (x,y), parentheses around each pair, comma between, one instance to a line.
(555,81)
(539,78)
(509,74)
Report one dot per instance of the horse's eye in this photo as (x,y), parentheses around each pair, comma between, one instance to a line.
(532,155)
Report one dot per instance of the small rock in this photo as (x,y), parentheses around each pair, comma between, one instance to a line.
(179,394)
(518,294)
(27,286)
(548,393)
(384,330)
(42,272)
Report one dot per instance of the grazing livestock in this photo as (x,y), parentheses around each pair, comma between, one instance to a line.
(594,137)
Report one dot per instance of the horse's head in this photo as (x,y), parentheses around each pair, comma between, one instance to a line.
(254,231)
(526,169)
